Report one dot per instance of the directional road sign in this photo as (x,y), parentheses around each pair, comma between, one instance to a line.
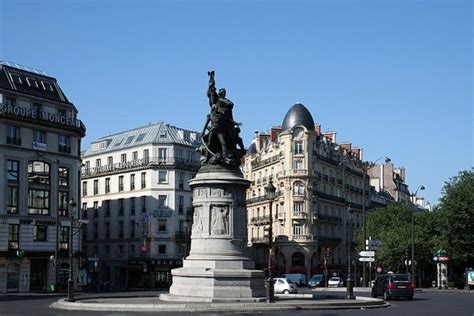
(367,259)
(367,253)
(373,244)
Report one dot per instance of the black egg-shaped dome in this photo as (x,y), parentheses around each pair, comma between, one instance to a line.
(298,114)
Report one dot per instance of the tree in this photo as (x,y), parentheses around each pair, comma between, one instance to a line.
(457,211)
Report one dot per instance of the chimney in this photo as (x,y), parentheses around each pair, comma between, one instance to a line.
(357,152)
(274,131)
(317,129)
(346,146)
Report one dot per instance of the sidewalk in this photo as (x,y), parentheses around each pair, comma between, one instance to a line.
(153,304)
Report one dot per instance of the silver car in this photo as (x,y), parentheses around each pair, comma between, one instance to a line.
(282,285)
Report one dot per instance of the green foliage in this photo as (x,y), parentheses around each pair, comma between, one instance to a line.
(457,209)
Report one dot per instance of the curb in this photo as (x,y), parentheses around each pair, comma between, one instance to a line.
(364,303)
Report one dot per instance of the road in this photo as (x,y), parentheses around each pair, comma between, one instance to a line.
(438,303)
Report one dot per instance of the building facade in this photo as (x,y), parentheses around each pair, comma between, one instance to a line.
(40,163)
(136,197)
(386,178)
(319,193)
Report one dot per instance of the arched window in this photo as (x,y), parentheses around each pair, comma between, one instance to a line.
(298,188)
(298,260)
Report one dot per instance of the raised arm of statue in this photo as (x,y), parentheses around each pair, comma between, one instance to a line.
(211,90)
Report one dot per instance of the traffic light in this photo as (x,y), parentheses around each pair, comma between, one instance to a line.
(20,253)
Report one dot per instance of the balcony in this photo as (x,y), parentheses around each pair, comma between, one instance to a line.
(293,173)
(263,163)
(330,219)
(328,197)
(139,164)
(303,237)
(328,240)
(259,240)
(261,220)
(299,215)
(14,141)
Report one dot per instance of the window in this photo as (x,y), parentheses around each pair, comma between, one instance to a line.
(62,112)
(140,137)
(162,225)
(181,204)
(135,155)
(16,78)
(146,155)
(107,208)
(63,176)
(181,180)
(298,208)
(40,232)
(119,142)
(64,144)
(107,185)
(131,251)
(132,206)
(107,230)
(63,237)
(162,176)
(96,187)
(143,198)
(297,229)
(120,250)
(162,200)
(96,209)
(129,140)
(132,182)
(13,236)
(298,147)
(120,230)
(98,163)
(9,101)
(32,82)
(13,135)
(84,188)
(163,134)
(107,249)
(162,154)
(63,203)
(132,229)
(298,164)
(39,136)
(13,168)
(179,154)
(298,188)
(47,85)
(38,172)
(143,180)
(38,202)
(12,200)
(120,188)
(162,249)
(84,211)
(120,201)
(110,160)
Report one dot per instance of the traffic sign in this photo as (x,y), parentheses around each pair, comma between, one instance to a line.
(367,259)
(367,253)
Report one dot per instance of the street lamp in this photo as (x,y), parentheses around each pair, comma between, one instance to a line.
(70,281)
(421,187)
(270,195)
(350,286)
(367,166)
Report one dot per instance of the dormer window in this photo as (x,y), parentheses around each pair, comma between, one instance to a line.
(16,78)
(47,86)
(129,140)
(32,82)
(61,112)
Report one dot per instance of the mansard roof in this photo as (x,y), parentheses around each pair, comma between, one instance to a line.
(155,133)
(33,82)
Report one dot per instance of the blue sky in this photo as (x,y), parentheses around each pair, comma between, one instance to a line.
(393,77)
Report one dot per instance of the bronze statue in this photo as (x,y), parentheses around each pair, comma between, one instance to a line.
(221,138)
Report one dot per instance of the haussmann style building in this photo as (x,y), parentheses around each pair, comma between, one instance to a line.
(319,193)
(136,197)
(40,136)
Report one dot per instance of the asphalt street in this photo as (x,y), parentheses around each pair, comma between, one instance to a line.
(431,303)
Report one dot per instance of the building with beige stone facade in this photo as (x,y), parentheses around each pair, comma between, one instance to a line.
(319,183)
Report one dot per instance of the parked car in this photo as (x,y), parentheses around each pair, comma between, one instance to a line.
(393,285)
(283,285)
(335,282)
(316,280)
(297,278)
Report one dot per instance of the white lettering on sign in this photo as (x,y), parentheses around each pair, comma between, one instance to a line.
(44,116)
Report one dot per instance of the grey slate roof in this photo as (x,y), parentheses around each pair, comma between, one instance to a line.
(155,133)
(10,72)
(298,114)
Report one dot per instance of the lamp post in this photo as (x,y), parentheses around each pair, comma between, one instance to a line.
(421,187)
(350,286)
(70,281)
(270,195)
(367,166)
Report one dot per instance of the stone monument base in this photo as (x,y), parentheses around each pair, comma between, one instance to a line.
(217,268)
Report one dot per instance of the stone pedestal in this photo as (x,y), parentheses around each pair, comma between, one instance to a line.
(217,268)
